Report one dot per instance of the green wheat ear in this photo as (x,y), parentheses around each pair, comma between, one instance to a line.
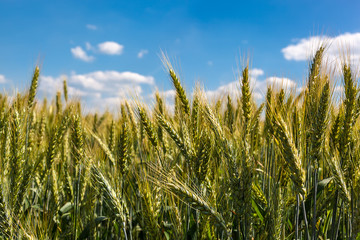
(246,96)
(315,68)
(290,153)
(65,90)
(58,102)
(123,157)
(183,146)
(77,140)
(111,140)
(268,108)
(180,92)
(16,161)
(149,128)
(33,87)
(320,123)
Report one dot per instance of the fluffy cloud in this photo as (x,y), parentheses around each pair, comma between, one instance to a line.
(280,82)
(89,46)
(50,85)
(88,82)
(302,50)
(2,79)
(108,79)
(169,95)
(79,53)
(142,53)
(256,72)
(100,89)
(344,44)
(231,89)
(91,27)
(110,48)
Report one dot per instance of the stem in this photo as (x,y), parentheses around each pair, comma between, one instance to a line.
(236,232)
(130,222)
(305,219)
(314,210)
(245,227)
(77,195)
(124,229)
(297,218)
(333,227)
(352,214)
(197,223)
(338,223)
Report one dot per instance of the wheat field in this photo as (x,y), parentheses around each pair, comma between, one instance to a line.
(287,168)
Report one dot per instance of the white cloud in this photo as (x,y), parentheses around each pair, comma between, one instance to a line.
(79,53)
(258,95)
(99,78)
(87,81)
(111,102)
(2,79)
(91,27)
(50,85)
(100,89)
(305,48)
(142,53)
(169,94)
(110,48)
(210,63)
(280,82)
(301,50)
(231,89)
(89,46)
(129,90)
(255,72)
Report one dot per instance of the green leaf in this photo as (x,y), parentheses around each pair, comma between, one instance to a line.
(167,235)
(66,208)
(256,208)
(100,219)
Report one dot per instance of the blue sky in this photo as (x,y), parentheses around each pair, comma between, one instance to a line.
(109,50)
